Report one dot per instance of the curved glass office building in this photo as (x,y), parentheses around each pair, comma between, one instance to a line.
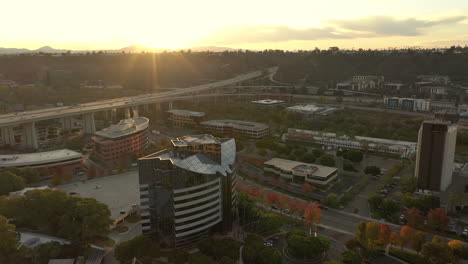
(188,191)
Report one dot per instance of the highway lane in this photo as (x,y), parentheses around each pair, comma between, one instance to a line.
(58,112)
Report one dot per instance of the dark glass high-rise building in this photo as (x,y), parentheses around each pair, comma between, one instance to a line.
(188,191)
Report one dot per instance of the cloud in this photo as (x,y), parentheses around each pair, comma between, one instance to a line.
(366,27)
(389,26)
(276,33)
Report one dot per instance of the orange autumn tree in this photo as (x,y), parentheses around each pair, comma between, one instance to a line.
(414,217)
(312,216)
(406,235)
(384,236)
(394,238)
(456,246)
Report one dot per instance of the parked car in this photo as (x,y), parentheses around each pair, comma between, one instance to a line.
(465,232)
(323,207)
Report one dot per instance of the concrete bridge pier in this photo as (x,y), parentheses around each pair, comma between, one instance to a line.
(8,136)
(146,109)
(135,111)
(89,126)
(67,123)
(170,105)
(30,139)
(113,114)
(127,113)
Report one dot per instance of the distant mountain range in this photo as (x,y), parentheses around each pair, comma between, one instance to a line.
(129,49)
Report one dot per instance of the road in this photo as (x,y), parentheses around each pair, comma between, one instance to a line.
(124,102)
(336,220)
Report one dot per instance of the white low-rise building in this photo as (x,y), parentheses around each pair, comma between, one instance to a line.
(311,109)
(404,149)
(300,172)
(269,102)
(408,104)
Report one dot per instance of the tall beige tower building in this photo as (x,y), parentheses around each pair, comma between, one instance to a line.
(435,155)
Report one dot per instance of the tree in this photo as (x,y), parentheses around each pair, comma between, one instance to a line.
(437,253)
(140,246)
(454,199)
(408,184)
(456,246)
(318,152)
(375,202)
(283,201)
(272,198)
(55,212)
(270,222)
(394,238)
(312,216)
(303,246)
(438,218)
(348,166)
(327,160)
(308,158)
(10,182)
(332,200)
(9,242)
(389,208)
(306,188)
(418,241)
(414,217)
(372,170)
(353,155)
(350,257)
(44,252)
(384,235)
(199,258)
(372,235)
(406,235)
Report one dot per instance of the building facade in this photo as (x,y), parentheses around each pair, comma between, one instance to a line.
(127,139)
(408,104)
(403,149)
(62,162)
(189,191)
(435,155)
(365,82)
(229,128)
(300,172)
(185,118)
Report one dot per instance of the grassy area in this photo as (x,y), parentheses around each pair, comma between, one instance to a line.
(121,228)
(407,256)
(133,219)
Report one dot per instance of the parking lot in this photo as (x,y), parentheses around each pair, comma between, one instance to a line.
(116,191)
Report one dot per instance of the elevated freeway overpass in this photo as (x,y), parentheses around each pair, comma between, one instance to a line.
(87,110)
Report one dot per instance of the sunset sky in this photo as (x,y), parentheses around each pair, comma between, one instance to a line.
(247,24)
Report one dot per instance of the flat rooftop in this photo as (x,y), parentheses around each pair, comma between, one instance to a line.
(186,112)
(39,158)
(195,140)
(304,108)
(124,128)
(268,102)
(291,165)
(237,124)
